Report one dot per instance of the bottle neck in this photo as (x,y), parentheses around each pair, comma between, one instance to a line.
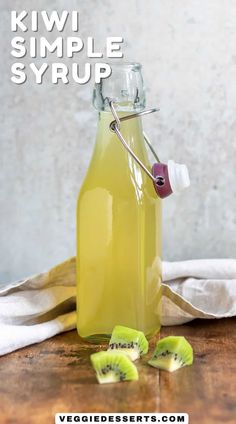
(124,86)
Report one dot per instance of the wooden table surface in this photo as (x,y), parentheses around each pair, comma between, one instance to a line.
(56,376)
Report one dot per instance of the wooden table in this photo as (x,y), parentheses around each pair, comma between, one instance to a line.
(56,376)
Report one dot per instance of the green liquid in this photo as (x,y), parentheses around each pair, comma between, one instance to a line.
(118,238)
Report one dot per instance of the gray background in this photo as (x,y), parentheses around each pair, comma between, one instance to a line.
(188,51)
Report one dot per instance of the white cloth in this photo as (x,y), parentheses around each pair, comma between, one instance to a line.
(37,308)
(203,288)
(41,306)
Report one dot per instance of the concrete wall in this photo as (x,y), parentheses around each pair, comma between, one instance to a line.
(187,48)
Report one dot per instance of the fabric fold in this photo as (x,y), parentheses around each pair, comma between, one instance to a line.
(14,337)
(202,288)
(44,305)
(200,268)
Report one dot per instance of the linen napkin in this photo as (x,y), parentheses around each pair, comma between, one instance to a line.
(203,288)
(44,305)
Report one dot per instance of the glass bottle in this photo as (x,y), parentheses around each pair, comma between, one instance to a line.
(118,221)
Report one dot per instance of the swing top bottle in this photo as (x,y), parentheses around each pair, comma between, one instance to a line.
(118,221)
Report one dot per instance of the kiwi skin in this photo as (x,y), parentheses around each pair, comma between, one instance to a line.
(172,353)
(128,340)
(113,367)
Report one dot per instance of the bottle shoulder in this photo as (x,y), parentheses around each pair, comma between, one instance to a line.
(112,167)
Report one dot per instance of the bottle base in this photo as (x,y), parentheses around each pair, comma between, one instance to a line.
(104,338)
(97,338)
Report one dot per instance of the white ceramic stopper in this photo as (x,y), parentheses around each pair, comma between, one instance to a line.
(178,176)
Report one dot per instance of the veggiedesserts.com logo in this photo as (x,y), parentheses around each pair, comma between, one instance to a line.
(70,47)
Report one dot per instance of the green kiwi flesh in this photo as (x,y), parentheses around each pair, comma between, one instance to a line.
(130,341)
(172,353)
(112,367)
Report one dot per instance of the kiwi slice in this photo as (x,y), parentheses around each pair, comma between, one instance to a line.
(132,342)
(112,367)
(172,353)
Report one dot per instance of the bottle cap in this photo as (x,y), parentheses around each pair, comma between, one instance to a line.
(178,176)
(170,178)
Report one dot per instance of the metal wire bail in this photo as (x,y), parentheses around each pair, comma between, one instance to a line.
(115,127)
